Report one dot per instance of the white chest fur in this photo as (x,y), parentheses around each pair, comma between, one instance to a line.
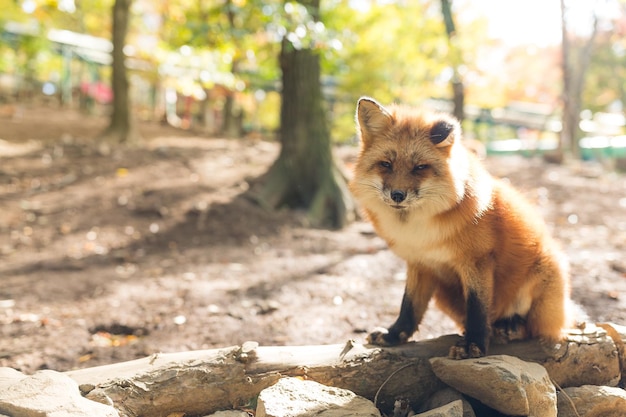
(417,239)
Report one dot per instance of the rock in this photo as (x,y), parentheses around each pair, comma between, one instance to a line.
(46,393)
(99,395)
(592,401)
(229,413)
(446,396)
(8,377)
(453,409)
(293,397)
(504,383)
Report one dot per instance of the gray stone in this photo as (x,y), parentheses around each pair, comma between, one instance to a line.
(46,393)
(446,396)
(504,383)
(592,401)
(229,413)
(453,409)
(293,397)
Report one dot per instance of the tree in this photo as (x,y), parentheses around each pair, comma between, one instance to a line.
(304,175)
(231,126)
(121,128)
(234,30)
(367,61)
(574,69)
(458,90)
(604,92)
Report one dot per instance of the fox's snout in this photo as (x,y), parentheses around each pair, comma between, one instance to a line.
(397,195)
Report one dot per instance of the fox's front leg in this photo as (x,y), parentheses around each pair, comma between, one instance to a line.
(417,293)
(478,292)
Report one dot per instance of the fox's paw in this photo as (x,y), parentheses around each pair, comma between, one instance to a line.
(383,337)
(509,329)
(465,351)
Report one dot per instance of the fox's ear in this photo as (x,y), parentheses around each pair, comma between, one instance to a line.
(372,118)
(444,133)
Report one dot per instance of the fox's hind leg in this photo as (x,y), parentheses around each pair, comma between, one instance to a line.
(549,311)
(417,294)
(548,317)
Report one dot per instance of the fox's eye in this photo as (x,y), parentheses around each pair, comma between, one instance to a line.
(385,164)
(420,167)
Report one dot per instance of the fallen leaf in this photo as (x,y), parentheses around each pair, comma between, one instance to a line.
(85,358)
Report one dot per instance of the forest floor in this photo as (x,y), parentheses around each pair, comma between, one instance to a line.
(112,254)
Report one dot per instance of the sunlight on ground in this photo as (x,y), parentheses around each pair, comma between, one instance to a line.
(17,149)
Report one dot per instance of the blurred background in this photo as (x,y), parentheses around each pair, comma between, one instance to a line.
(515,72)
(173,174)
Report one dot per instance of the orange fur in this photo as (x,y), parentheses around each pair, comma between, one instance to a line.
(460,230)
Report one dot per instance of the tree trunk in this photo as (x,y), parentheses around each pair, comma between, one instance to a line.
(458,89)
(121,128)
(305,174)
(573,73)
(201,382)
(231,126)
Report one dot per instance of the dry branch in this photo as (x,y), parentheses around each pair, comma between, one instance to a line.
(200,382)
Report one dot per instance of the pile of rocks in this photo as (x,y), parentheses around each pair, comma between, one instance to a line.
(493,385)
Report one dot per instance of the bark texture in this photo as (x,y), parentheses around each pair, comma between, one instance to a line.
(305,174)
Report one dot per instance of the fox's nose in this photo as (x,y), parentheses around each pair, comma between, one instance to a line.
(398,196)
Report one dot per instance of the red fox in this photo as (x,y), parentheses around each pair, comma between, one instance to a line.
(470,241)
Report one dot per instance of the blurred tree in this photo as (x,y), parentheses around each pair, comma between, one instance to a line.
(392,51)
(121,127)
(304,175)
(235,29)
(574,67)
(455,58)
(23,40)
(605,86)
(232,118)
(531,74)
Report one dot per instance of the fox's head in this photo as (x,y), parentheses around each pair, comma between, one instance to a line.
(409,160)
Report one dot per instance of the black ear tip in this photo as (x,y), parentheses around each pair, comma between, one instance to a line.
(440,131)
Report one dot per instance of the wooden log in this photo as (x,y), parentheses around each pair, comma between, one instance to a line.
(201,382)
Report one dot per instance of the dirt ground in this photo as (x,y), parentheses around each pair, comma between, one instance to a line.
(109,255)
